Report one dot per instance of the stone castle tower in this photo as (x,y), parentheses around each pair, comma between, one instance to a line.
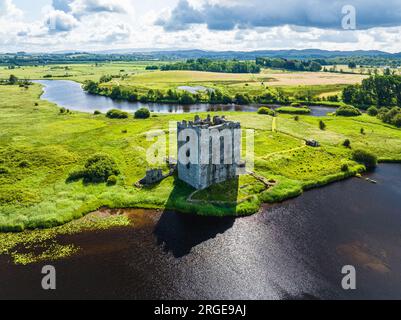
(209,151)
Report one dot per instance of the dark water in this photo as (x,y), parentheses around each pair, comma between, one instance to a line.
(294,250)
(69,94)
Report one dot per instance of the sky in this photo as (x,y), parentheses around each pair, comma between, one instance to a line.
(219,25)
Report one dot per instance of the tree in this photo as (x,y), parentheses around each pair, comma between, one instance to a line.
(97,169)
(347,143)
(322,125)
(366,158)
(12,80)
(348,111)
(352,65)
(373,111)
(91,87)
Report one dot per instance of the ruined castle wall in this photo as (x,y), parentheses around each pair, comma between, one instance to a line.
(201,175)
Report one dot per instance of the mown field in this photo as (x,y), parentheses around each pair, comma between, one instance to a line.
(50,145)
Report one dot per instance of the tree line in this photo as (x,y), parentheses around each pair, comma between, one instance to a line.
(224,66)
(380,94)
(377,90)
(291,65)
(213,96)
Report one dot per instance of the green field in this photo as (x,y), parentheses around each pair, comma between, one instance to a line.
(133,76)
(51,145)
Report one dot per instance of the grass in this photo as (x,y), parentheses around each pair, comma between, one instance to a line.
(51,145)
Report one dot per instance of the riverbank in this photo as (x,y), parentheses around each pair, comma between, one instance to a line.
(42,146)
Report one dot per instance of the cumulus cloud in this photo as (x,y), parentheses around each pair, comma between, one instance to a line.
(87,7)
(227,15)
(59,21)
(8,9)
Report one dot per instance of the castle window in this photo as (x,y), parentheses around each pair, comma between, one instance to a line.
(188,138)
(188,166)
(188,153)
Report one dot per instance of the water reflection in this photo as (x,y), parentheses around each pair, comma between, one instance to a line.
(69,94)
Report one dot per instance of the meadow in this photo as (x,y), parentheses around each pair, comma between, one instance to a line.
(40,147)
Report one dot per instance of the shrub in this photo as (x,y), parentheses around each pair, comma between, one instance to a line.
(36,104)
(322,125)
(63,110)
(295,104)
(362,131)
(345,168)
(4,170)
(266,111)
(397,120)
(293,110)
(348,111)
(296,118)
(366,158)
(117,114)
(142,113)
(347,143)
(112,180)
(373,111)
(24,164)
(97,169)
(97,112)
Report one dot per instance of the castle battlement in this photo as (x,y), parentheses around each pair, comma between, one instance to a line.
(208,123)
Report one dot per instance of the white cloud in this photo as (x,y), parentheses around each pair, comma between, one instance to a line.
(204,24)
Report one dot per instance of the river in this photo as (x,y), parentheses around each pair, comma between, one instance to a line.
(70,95)
(292,250)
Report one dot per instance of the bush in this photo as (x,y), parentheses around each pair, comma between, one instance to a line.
(117,114)
(373,111)
(322,125)
(348,111)
(24,164)
(295,104)
(142,113)
(366,158)
(296,118)
(293,110)
(4,170)
(112,180)
(266,111)
(345,168)
(347,143)
(97,169)
(63,110)
(97,112)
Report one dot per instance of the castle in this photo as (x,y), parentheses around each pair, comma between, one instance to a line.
(209,151)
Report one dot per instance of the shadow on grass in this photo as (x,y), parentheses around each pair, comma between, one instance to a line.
(179,233)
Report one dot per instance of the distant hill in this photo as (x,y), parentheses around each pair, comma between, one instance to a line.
(288,54)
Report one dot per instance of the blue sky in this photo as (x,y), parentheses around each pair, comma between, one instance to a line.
(89,25)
